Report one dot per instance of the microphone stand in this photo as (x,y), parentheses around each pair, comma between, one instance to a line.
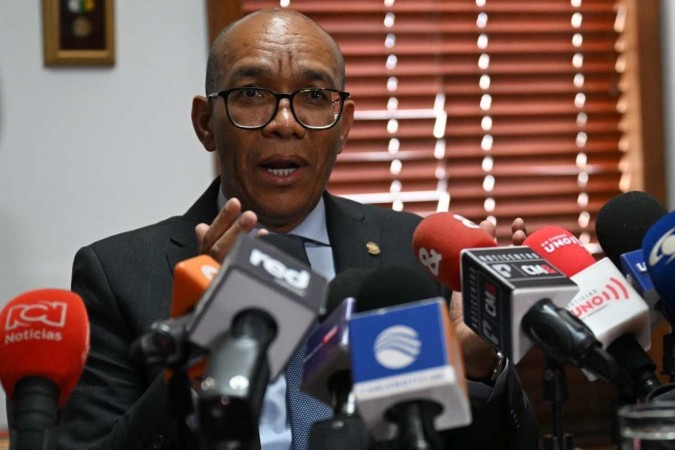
(236,377)
(415,420)
(345,430)
(668,342)
(555,393)
(166,346)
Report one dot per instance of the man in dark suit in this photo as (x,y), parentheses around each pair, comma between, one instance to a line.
(276,152)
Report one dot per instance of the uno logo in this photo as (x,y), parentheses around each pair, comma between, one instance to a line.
(430,259)
(614,290)
(665,246)
(397,347)
(47,313)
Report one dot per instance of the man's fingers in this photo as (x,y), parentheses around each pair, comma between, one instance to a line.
(518,231)
(518,225)
(489,228)
(222,246)
(218,238)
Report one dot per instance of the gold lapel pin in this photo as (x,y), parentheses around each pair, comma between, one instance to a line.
(373,248)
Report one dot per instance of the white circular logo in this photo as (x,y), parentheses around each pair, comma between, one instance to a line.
(665,246)
(397,347)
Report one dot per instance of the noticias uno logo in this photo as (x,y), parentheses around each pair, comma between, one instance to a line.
(44,313)
(614,290)
(397,347)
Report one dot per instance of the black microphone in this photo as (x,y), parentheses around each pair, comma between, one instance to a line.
(251,318)
(327,368)
(621,225)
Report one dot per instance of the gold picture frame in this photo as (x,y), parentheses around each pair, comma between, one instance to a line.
(78,32)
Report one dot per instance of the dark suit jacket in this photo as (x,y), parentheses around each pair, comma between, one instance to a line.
(126,283)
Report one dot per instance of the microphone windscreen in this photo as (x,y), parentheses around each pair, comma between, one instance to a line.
(623,221)
(44,333)
(561,248)
(191,277)
(395,285)
(345,284)
(438,241)
(659,253)
(291,245)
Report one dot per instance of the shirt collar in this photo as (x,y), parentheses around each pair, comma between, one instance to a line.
(312,228)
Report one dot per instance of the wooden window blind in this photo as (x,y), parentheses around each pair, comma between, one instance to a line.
(499,108)
(488,108)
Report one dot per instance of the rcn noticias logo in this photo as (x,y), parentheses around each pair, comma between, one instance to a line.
(27,322)
(614,290)
(397,347)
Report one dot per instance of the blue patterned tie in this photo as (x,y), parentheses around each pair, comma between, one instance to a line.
(304,410)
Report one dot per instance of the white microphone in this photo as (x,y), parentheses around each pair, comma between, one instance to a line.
(606,303)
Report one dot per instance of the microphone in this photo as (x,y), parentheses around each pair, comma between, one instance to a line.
(499,285)
(659,252)
(191,277)
(406,362)
(251,318)
(44,341)
(166,343)
(327,368)
(623,221)
(621,226)
(606,303)
(438,248)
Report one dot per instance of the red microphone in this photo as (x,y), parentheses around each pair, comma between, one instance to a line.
(561,248)
(44,341)
(438,241)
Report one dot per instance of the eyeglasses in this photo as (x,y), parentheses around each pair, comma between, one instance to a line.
(252,108)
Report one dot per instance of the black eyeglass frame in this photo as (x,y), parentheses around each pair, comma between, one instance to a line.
(278,97)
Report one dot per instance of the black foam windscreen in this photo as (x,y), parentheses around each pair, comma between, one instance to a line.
(395,285)
(345,284)
(623,221)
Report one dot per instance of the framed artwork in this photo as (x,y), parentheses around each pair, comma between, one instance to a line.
(78,32)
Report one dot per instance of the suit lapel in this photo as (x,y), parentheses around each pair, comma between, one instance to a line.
(183,242)
(350,230)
